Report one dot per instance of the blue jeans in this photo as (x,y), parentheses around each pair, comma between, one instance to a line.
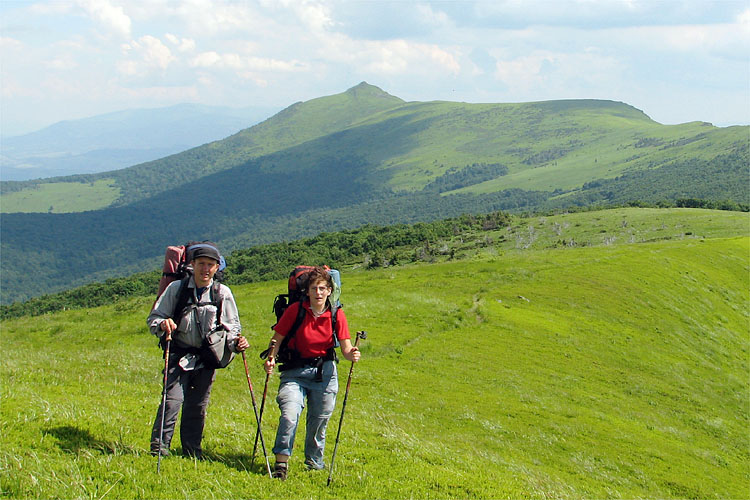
(297,385)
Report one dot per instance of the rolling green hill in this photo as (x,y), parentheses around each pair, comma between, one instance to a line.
(607,369)
(361,157)
(295,125)
(556,145)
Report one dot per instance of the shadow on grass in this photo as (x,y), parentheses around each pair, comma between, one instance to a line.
(75,440)
(243,463)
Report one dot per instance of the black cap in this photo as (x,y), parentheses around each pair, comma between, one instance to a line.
(204,250)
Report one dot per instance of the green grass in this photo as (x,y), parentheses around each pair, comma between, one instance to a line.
(609,149)
(608,371)
(62,197)
(605,228)
(622,226)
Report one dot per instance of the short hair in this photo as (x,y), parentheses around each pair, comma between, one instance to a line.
(319,274)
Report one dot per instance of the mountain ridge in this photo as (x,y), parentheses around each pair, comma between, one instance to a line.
(364,156)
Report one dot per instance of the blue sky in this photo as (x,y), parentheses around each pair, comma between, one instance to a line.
(677,60)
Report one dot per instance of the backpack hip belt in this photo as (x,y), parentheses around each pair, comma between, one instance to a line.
(317,362)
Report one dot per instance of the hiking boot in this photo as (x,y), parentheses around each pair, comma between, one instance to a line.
(310,465)
(164,452)
(279,470)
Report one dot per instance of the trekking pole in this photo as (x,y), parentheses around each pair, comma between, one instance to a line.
(360,335)
(257,417)
(163,402)
(263,401)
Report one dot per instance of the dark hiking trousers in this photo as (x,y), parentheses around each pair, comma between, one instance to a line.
(189,390)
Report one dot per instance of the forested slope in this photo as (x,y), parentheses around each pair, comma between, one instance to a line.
(364,156)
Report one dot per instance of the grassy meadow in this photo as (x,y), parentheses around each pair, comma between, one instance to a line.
(62,197)
(613,367)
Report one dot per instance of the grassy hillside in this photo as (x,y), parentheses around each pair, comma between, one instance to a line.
(609,371)
(61,197)
(545,146)
(296,124)
(363,157)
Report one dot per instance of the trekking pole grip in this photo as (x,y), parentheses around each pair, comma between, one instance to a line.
(360,335)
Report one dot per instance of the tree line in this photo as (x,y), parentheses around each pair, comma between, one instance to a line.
(363,246)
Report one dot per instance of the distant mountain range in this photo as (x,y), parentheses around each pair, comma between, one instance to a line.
(119,140)
(362,156)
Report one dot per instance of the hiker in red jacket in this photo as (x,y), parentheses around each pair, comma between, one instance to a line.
(311,373)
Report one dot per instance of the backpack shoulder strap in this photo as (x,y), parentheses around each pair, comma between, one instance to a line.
(185,294)
(295,326)
(183,297)
(217,300)
(334,324)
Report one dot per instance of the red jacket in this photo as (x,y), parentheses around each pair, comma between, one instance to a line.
(314,336)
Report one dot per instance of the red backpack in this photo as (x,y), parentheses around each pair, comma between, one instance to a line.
(296,290)
(177,266)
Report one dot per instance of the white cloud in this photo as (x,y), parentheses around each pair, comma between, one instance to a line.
(685,38)
(314,15)
(206,59)
(389,57)
(154,52)
(51,8)
(743,19)
(61,63)
(182,44)
(237,62)
(112,17)
(731,40)
(207,18)
(13,88)
(127,68)
(143,57)
(563,74)
(590,14)
(8,43)
(434,18)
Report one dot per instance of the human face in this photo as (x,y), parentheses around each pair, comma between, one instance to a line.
(204,269)
(318,293)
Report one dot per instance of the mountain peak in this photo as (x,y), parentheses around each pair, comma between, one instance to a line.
(364,89)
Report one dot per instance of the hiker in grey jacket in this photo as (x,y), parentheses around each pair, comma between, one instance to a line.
(189,380)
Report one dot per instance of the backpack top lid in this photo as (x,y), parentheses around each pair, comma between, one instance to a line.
(177,263)
(297,284)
